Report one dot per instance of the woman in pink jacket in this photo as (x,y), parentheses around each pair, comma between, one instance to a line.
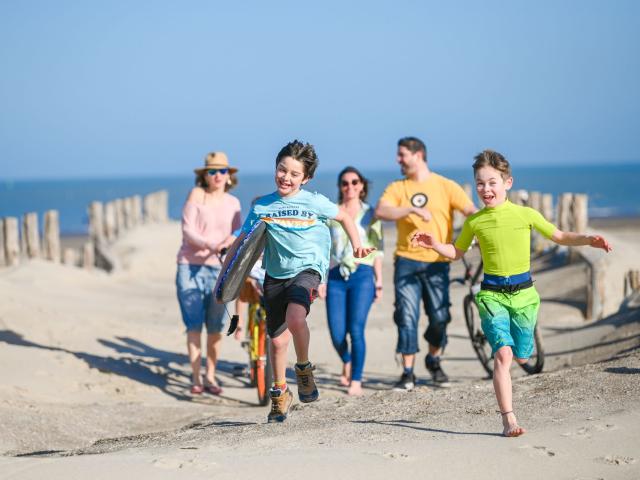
(209,217)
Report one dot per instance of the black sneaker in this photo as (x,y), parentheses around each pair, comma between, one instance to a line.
(437,374)
(407,382)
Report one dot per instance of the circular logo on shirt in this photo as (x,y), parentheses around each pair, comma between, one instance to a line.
(419,200)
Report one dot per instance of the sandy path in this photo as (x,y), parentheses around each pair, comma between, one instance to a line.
(86,356)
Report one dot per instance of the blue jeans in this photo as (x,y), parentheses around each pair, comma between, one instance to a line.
(194,285)
(348,304)
(415,281)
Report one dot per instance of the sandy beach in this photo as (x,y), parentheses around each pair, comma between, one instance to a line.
(96,377)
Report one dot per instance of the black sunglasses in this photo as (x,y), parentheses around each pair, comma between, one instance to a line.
(213,171)
(345,183)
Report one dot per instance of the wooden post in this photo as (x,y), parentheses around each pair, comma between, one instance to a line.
(137,209)
(96,220)
(518,197)
(631,282)
(535,201)
(596,283)
(547,206)
(564,212)
(129,220)
(51,240)
(120,222)
(580,212)
(153,207)
(110,224)
(88,256)
(23,240)
(31,235)
(538,243)
(146,208)
(11,241)
(69,257)
(2,260)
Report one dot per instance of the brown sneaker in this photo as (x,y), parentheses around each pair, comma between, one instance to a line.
(280,404)
(307,390)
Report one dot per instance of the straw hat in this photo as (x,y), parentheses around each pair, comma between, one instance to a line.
(215,160)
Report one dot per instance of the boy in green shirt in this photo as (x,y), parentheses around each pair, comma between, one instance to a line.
(508,302)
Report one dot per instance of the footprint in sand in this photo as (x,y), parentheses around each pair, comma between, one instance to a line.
(582,433)
(539,449)
(616,460)
(396,456)
(585,432)
(182,464)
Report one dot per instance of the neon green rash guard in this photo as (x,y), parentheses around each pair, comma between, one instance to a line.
(504,234)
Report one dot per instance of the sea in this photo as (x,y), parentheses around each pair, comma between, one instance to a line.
(614,190)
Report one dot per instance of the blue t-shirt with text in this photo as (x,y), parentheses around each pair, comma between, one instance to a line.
(297,234)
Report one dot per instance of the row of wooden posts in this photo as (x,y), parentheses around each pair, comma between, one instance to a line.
(107,222)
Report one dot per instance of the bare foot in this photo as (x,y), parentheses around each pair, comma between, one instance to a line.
(345,378)
(355,389)
(511,427)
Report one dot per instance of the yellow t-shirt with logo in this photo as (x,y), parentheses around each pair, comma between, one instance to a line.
(504,235)
(441,197)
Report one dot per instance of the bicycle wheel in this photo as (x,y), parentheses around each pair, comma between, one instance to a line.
(536,360)
(250,346)
(478,340)
(263,365)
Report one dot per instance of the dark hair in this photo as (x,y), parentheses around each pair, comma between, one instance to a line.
(304,153)
(201,182)
(414,145)
(492,159)
(363,180)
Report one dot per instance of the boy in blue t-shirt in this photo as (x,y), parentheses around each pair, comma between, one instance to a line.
(296,260)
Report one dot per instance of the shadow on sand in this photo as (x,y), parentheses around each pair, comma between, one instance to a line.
(414,426)
(140,362)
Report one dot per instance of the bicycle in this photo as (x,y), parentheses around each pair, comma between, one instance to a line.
(257,345)
(478,340)
(256,341)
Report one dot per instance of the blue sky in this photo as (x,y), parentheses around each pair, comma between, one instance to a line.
(93,89)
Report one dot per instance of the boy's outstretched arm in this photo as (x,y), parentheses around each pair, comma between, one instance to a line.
(426,240)
(347,223)
(573,239)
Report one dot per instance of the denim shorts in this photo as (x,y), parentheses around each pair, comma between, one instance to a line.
(509,319)
(421,282)
(194,284)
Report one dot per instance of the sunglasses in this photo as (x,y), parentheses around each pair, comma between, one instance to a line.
(221,171)
(345,183)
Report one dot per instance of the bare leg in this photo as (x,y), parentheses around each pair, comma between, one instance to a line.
(408,359)
(355,388)
(194,350)
(297,324)
(278,353)
(345,378)
(214,342)
(503,389)
(434,351)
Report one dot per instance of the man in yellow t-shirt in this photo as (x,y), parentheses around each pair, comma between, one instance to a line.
(423,201)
